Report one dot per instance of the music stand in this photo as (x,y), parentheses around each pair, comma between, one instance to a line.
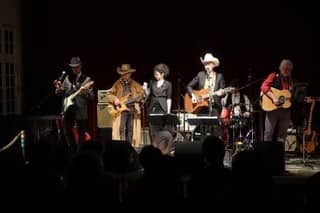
(163,122)
(163,119)
(299,92)
(204,122)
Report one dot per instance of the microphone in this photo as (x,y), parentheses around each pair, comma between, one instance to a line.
(62,75)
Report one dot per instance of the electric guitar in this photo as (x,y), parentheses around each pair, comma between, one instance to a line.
(68,101)
(309,136)
(284,99)
(202,99)
(115,111)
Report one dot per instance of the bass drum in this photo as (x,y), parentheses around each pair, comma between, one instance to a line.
(290,144)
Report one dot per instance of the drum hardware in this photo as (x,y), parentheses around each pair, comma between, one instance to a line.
(183,127)
(241,141)
(239,146)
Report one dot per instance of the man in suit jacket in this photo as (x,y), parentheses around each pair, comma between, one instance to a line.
(208,79)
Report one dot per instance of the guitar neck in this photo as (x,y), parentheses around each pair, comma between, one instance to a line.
(88,84)
(310,115)
(210,94)
(74,94)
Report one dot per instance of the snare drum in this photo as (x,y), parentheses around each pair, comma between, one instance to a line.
(236,112)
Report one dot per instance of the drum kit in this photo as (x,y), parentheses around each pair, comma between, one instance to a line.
(236,128)
(240,128)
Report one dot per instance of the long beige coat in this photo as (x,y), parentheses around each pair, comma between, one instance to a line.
(136,91)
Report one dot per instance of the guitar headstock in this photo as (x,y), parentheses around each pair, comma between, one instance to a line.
(229,89)
(89,84)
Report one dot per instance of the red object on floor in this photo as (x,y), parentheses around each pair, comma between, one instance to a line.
(87,136)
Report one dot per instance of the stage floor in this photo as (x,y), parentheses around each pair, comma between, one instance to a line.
(296,169)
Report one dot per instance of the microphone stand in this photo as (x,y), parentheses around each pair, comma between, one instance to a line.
(252,123)
(179,111)
(143,118)
(144,139)
(35,109)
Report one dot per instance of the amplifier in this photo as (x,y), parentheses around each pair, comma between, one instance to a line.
(104,119)
(102,96)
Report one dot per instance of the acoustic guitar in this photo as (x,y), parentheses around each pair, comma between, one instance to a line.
(202,99)
(309,135)
(115,111)
(284,99)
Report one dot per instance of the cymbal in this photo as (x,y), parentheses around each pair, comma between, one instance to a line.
(178,111)
(256,111)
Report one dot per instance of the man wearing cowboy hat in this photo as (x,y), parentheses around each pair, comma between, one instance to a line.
(75,113)
(208,83)
(208,79)
(127,123)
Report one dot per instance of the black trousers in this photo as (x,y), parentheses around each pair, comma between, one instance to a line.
(70,122)
(126,125)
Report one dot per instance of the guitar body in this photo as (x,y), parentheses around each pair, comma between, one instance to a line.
(115,111)
(309,141)
(268,105)
(68,101)
(309,135)
(202,96)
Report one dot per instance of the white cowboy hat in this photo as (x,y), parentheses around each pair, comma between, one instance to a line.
(208,57)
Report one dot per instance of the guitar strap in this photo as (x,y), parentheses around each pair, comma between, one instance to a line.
(281,82)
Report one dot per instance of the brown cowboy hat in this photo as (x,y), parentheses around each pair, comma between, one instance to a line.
(124,69)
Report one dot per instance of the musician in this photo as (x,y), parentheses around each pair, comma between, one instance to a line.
(212,83)
(75,115)
(126,125)
(160,93)
(238,110)
(280,116)
(208,79)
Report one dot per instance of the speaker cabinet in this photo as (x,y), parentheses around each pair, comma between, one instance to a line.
(102,96)
(104,119)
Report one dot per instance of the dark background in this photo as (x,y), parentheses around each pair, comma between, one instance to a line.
(249,38)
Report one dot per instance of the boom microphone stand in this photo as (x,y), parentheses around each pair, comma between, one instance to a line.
(251,132)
